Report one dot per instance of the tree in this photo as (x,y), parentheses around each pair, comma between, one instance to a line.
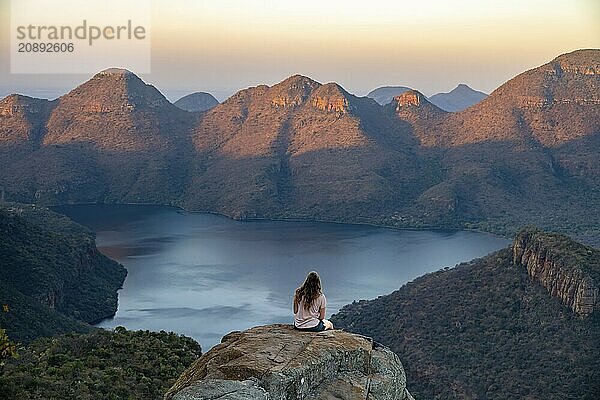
(7,348)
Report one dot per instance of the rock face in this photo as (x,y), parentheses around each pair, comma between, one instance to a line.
(53,276)
(564,277)
(277,362)
(486,330)
(412,107)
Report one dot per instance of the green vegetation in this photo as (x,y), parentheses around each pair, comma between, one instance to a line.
(98,365)
(484,330)
(29,319)
(54,280)
(7,348)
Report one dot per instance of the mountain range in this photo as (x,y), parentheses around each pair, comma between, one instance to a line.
(458,99)
(527,154)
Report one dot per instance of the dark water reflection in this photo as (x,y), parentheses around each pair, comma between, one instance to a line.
(205,275)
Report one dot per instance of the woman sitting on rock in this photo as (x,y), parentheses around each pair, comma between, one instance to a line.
(310,304)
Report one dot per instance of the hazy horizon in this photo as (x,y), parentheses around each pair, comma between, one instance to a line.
(432,46)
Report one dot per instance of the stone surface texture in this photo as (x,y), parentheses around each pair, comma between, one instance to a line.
(277,362)
(563,277)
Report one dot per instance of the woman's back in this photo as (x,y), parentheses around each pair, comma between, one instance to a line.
(310,318)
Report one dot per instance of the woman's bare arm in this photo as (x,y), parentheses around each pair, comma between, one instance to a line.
(295,307)
(322,313)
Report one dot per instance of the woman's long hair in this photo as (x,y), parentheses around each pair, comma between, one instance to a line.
(309,291)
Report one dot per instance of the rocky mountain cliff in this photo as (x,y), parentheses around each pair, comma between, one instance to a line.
(197,102)
(279,362)
(458,99)
(53,277)
(491,329)
(568,270)
(527,154)
(413,107)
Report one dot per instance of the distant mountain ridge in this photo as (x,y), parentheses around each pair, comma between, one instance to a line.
(305,150)
(196,102)
(385,94)
(458,99)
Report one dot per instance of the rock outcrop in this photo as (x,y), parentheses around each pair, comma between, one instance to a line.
(277,362)
(567,269)
(385,94)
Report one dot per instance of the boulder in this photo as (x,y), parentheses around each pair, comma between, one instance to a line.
(277,362)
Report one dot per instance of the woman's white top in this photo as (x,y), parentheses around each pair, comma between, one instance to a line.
(309,318)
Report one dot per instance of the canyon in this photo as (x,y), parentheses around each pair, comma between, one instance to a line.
(521,322)
(54,279)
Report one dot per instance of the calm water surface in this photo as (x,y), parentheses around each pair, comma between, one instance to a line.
(205,275)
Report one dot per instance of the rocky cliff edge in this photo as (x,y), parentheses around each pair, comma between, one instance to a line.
(569,270)
(277,362)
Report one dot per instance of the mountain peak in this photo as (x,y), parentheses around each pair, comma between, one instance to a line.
(115,89)
(590,56)
(458,99)
(410,98)
(115,71)
(22,117)
(15,104)
(292,91)
(298,79)
(463,88)
(115,109)
(586,62)
(331,97)
(198,101)
(413,107)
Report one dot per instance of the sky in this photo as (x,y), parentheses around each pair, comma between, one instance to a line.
(221,46)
